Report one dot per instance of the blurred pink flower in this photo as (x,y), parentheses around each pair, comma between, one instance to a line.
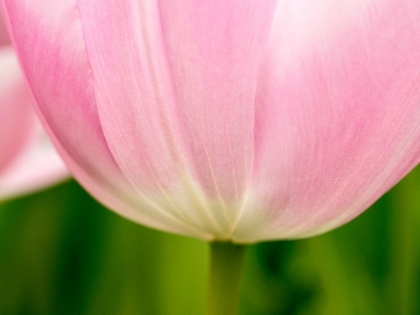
(244,120)
(28,161)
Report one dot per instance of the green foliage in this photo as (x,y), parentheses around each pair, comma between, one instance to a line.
(63,253)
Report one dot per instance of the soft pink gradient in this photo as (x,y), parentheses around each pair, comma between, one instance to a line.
(4,37)
(28,162)
(243,120)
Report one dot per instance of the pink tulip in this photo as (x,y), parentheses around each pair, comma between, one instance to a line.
(27,161)
(233,120)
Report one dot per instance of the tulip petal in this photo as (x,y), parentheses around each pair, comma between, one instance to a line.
(4,37)
(337,113)
(15,99)
(55,50)
(213,120)
(37,166)
(27,160)
(185,97)
(158,135)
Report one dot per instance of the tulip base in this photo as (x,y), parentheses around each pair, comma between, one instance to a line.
(226,261)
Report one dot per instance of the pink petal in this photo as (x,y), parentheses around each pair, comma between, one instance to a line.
(61,79)
(180,115)
(37,166)
(27,160)
(162,100)
(4,37)
(17,119)
(183,74)
(337,113)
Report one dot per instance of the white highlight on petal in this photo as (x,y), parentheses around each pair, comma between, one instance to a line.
(36,167)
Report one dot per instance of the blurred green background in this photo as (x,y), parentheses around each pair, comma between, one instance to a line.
(63,253)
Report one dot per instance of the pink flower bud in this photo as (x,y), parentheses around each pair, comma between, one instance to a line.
(234,120)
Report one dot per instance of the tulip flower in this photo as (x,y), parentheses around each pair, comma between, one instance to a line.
(236,120)
(28,162)
(233,120)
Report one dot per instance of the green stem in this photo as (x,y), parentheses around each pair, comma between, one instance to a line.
(225,278)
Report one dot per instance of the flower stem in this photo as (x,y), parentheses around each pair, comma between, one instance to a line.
(225,278)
